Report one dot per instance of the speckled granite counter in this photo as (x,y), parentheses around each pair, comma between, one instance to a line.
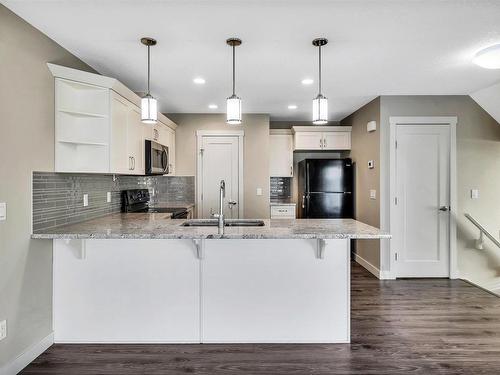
(160,226)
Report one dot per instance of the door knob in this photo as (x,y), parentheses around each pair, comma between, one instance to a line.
(232,203)
(444,208)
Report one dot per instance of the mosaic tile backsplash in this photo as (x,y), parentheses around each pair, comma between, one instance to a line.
(58,197)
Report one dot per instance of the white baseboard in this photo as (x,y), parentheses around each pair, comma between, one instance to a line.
(27,356)
(368,266)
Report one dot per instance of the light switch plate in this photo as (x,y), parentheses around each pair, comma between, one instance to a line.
(259,191)
(474,194)
(3,211)
(108,197)
(3,329)
(373,194)
(85,200)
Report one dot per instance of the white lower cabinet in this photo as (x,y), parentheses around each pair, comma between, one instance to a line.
(247,291)
(126,291)
(275,291)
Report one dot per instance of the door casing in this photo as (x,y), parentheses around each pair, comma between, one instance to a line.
(450,121)
(199,145)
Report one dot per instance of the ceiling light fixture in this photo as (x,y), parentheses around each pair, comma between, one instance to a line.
(149,105)
(213,106)
(320,103)
(199,81)
(488,58)
(233,108)
(292,106)
(307,81)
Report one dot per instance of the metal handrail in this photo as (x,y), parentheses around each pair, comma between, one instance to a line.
(479,242)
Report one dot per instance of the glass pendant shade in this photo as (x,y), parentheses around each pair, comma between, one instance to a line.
(149,110)
(320,110)
(233,110)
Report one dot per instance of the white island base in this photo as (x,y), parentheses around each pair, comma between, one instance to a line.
(202,291)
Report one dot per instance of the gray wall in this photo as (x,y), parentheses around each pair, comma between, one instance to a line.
(366,146)
(255,158)
(478,166)
(26,144)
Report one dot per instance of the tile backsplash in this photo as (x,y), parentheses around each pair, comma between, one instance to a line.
(280,188)
(58,197)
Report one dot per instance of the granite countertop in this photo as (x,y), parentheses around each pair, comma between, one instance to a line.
(160,226)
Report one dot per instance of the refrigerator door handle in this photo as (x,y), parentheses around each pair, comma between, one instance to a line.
(303,201)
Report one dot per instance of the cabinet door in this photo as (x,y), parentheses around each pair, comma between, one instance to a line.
(337,141)
(120,162)
(170,136)
(308,141)
(281,162)
(135,140)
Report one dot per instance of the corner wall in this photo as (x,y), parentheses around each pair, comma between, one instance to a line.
(255,158)
(478,167)
(26,144)
(365,147)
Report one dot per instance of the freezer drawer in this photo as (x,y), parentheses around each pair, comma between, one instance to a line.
(329,205)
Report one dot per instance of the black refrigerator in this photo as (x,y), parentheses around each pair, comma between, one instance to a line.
(325,188)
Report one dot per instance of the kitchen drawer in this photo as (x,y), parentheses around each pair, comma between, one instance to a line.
(285,211)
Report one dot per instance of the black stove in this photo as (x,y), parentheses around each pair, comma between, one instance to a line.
(138,200)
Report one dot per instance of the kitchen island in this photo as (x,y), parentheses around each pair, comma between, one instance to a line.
(146,278)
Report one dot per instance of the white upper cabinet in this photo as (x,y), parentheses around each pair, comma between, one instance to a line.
(322,137)
(281,154)
(98,125)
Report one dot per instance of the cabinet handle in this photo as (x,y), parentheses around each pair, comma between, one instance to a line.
(321,143)
(324,142)
(130,163)
(291,170)
(133,162)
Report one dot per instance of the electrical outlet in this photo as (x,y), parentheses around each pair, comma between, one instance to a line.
(373,194)
(108,197)
(3,329)
(85,200)
(259,191)
(3,211)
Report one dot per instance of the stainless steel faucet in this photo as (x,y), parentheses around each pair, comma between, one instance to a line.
(220,215)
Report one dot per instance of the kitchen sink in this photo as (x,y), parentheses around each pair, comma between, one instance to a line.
(227,223)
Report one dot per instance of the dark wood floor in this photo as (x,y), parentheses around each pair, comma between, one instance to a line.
(398,327)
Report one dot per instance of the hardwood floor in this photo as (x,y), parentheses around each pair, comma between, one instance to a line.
(425,326)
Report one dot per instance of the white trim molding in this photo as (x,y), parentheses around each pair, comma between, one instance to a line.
(375,271)
(28,356)
(451,121)
(199,163)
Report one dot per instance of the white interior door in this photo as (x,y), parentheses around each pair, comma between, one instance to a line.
(422,224)
(220,161)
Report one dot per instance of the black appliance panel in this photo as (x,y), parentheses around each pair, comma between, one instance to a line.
(329,205)
(329,175)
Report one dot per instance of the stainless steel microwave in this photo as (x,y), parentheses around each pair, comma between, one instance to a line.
(157,158)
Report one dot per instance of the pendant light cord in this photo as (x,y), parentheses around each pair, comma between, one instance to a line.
(149,57)
(234,85)
(319,83)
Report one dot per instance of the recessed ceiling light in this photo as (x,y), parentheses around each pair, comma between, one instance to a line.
(213,106)
(292,106)
(199,81)
(488,58)
(307,81)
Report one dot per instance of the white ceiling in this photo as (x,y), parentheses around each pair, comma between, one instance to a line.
(376,48)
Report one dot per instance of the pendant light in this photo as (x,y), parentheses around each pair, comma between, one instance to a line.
(320,103)
(233,109)
(149,105)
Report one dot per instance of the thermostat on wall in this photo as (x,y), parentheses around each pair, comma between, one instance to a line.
(371,164)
